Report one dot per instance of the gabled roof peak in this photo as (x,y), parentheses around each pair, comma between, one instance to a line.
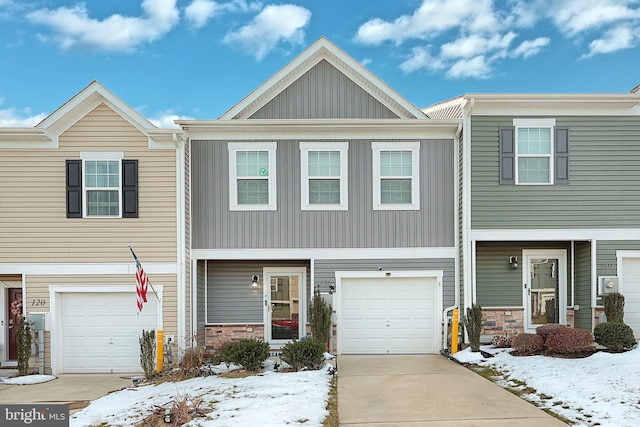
(323,49)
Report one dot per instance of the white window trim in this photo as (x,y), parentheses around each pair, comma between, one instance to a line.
(414,147)
(93,156)
(535,123)
(305,148)
(234,147)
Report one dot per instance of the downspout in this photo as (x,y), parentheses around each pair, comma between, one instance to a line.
(456,296)
(181,274)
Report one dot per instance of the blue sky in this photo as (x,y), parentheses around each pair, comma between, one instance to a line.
(196,58)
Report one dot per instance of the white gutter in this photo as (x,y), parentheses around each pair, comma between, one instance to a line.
(456,296)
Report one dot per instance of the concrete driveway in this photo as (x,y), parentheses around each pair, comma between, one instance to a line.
(427,390)
(77,390)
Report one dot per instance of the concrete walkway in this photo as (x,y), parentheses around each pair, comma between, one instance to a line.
(427,391)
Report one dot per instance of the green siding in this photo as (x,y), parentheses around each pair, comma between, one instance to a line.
(604,179)
(583,317)
(497,285)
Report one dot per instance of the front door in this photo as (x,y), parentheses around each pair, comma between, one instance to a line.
(545,287)
(284,295)
(14,313)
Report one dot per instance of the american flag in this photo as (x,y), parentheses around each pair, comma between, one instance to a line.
(142,282)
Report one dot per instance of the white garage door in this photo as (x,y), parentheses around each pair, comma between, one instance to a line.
(389,316)
(100,332)
(630,288)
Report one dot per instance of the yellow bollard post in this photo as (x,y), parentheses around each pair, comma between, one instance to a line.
(454,331)
(159,350)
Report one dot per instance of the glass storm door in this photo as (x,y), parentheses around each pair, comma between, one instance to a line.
(284,304)
(544,288)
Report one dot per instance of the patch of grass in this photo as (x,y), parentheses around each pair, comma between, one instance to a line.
(332,405)
(238,374)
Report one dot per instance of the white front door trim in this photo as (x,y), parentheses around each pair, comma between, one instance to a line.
(527,255)
(267,273)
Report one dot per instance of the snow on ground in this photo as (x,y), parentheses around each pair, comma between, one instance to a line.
(266,399)
(27,379)
(600,390)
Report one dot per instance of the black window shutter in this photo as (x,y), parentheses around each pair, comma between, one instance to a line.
(129,188)
(507,155)
(73,171)
(561,154)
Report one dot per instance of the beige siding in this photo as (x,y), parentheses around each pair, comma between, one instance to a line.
(33,223)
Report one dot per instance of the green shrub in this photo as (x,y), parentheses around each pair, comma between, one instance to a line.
(303,354)
(616,336)
(148,353)
(320,318)
(23,341)
(614,307)
(473,323)
(570,341)
(527,344)
(545,330)
(248,353)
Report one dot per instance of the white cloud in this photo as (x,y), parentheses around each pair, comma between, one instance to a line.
(573,16)
(74,27)
(165,119)
(529,48)
(477,67)
(431,19)
(12,117)
(472,46)
(613,40)
(366,61)
(274,24)
(199,12)
(421,58)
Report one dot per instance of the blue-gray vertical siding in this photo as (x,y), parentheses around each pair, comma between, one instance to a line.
(325,270)
(603,178)
(201,292)
(323,92)
(215,227)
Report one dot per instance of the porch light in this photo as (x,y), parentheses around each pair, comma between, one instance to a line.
(513,260)
(254,281)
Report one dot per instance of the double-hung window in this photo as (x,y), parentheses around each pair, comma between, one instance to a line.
(102,185)
(396,178)
(252,176)
(534,152)
(324,175)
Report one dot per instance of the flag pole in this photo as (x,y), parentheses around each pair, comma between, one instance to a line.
(148,281)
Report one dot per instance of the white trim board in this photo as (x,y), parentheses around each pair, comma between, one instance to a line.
(558,234)
(63,269)
(335,253)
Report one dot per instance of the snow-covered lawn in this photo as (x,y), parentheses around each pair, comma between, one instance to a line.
(600,390)
(266,399)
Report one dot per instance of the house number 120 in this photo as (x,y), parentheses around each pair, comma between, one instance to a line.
(37,303)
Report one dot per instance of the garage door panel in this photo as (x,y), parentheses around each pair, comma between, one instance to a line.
(388,315)
(100,331)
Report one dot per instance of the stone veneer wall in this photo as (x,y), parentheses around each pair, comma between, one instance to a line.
(508,321)
(216,336)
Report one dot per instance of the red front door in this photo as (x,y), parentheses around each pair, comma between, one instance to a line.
(15,312)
